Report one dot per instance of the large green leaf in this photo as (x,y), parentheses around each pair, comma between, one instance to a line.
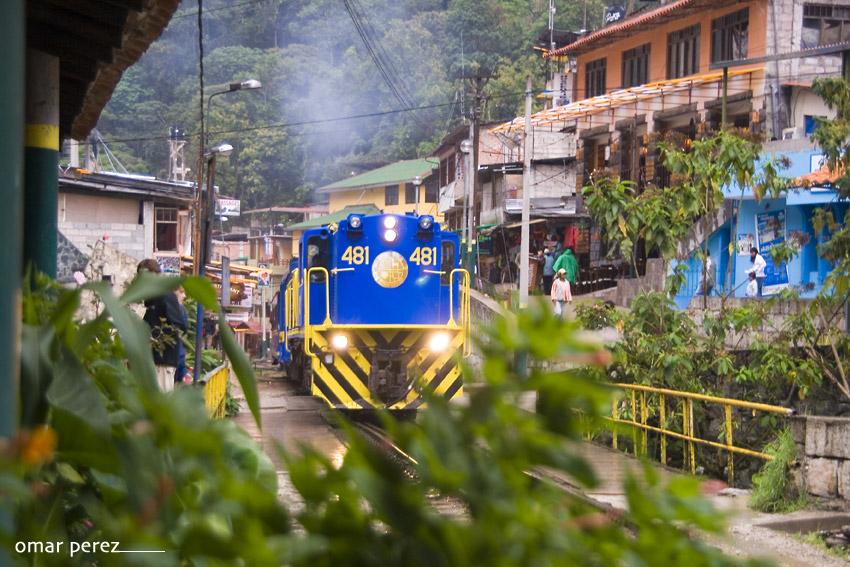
(36,372)
(148,286)
(242,368)
(202,291)
(135,335)
(73,390)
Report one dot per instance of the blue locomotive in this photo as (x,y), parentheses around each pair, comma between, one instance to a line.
(374,310)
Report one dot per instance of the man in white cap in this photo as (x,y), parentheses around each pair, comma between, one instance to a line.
(561,295)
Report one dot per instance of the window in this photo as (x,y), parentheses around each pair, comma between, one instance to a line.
(447,262)
(810,123)
(594,78)
(824,24)
(683,52)
(410,191)
(636,66)
(432,193)
(165,229)
(729,36)
(391,195)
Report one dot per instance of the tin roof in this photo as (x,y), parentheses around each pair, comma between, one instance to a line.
(614,99)
(398,172)
(335,217)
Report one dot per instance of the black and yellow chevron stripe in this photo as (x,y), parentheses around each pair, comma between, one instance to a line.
(344,383)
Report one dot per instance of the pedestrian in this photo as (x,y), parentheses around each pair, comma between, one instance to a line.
(165,319)
(752,286)
(567,261)
(181,373)
(758,269)
(548,270)
(706,279)
(210,329)
(561,296)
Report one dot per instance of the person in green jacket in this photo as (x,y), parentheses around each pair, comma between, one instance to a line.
(567,261)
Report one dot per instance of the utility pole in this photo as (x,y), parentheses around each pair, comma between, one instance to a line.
(526,200)
(176,161)
(478,83)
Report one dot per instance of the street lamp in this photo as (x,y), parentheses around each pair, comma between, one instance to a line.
(417,181)
(247,85)
(207,210)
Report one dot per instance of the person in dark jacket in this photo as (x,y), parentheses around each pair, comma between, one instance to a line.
(164,316)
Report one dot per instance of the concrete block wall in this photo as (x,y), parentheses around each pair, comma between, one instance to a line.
(775,320)
(125,237)
(789,32)
(823,453)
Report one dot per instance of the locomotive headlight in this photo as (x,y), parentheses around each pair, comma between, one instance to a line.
(339,342)
(426,222)
(390,235)
(439,342)
(390,222)
(355,222)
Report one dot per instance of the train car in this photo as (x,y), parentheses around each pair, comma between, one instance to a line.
(374,310)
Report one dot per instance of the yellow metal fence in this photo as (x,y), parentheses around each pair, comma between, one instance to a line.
(215,391)
(640,405)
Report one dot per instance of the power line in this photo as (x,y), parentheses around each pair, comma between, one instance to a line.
(217,8)
(284,125)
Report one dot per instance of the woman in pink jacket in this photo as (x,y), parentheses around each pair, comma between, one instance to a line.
(561,295)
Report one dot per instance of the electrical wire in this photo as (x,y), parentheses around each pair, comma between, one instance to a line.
(285,125)
(217,8)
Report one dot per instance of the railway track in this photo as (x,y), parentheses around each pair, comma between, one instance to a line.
(456,507)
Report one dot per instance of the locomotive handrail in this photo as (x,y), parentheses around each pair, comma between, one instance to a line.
(308,337)
(292,305)
(464,309)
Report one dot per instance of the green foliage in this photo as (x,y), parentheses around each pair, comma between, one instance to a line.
(116,460)
(105,456)
(598,315)
(662,216)
(773,490)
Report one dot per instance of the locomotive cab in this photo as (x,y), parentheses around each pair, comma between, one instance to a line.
(375,310)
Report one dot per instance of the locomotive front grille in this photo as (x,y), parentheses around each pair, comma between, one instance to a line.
(389,380)
(383,367)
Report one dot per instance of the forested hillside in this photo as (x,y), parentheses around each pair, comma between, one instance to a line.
(317,66)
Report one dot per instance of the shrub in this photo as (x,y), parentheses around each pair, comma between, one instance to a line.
(773,490)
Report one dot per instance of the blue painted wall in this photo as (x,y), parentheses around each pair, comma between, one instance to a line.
(806,271)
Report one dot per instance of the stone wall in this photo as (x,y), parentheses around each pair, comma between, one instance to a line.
(823,451)
(126,237)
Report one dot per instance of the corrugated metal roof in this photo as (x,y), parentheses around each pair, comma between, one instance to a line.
(398,172)
(603,103)
(335,217)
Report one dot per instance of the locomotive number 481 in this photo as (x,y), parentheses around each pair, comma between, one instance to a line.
(421,256)
(424,256)
(356,255)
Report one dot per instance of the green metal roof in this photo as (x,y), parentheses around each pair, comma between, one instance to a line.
(398,172)
(368,209)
